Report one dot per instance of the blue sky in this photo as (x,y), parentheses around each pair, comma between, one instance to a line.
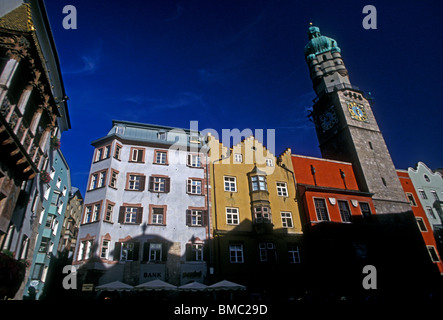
(240,64)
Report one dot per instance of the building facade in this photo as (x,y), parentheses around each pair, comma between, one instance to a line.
(255,218)
(421,217)
(429,187)
(33,116)
(55,194)
(145,215)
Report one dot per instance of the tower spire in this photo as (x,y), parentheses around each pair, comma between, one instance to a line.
(326,66)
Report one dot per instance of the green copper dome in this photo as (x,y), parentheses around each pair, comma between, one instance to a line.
(318,44)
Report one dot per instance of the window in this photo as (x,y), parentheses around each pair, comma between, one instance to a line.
(433,254)
(365,209)
(55,198)
(120,130)
(426,178)
(294,254)
(137,155)
(130,214)
(431,212)
(230,184)
(127,251)
(109,211)
(238,157)
(157,215)
(269,162)
(161,135)
(236,253)
(345,212)
(58,184)
(155,252)
(194,160)
(159,184)
(435,195)
(105,249)
(267,251)
(196,218)
(321,209)
(135,182)
(160,157)
(117,151)
(84,251)
(422,194)
(421,224)
(97,180)
(194,186)
(411,199)
(259,183)
(232,216)
(92,212)
(282,189)
(197,252)
(102,153)
(286,220)
(262,214)
(113,179)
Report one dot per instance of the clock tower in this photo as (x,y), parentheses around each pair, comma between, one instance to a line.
(346,127)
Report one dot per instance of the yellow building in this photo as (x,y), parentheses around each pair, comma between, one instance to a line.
(255,217)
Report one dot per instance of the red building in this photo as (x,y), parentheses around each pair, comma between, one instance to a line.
(421,218)
(329,191)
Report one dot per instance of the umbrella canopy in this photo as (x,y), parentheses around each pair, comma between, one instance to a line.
(156,285)
(115,286)
(193,286)
(226,285)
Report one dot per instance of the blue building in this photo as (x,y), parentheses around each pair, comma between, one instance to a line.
(55,197)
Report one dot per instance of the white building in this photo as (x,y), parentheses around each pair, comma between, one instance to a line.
(146,207)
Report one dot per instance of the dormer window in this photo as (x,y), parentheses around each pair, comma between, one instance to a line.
(161,135)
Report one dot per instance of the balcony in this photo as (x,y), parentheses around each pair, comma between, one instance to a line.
(17,141)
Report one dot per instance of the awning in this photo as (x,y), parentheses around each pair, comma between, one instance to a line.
(226,285)
(193,286)
(156,285)
(115,286)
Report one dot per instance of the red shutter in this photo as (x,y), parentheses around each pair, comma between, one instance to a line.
(205,217)
(151,184)
(188,185)
(121,216)
(117,250)
(188,217)
(139,217)
(142,183)
(140,155)
(167,184)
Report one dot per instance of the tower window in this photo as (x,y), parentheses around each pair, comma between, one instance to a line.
(384,181)
(370,145)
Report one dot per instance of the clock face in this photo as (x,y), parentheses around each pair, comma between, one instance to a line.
(328,118)
(357,111)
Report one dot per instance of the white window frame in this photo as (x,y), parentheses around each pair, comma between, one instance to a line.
(230,183)
(282,189)
(238,157)
(285,217)
(236,253)
(232,214)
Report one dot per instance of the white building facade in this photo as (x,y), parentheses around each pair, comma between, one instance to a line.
(145,213)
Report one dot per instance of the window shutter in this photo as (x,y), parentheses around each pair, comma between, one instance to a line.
(139,216)
(151,184)
(136,254)
(189,160)
(188,217)
(142,183)
(188,185)
(205,217)
(189,252)
(121,215)
(140,154)
(167,184)
(164,251)
(206,251)
(146,251)
(117,251)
